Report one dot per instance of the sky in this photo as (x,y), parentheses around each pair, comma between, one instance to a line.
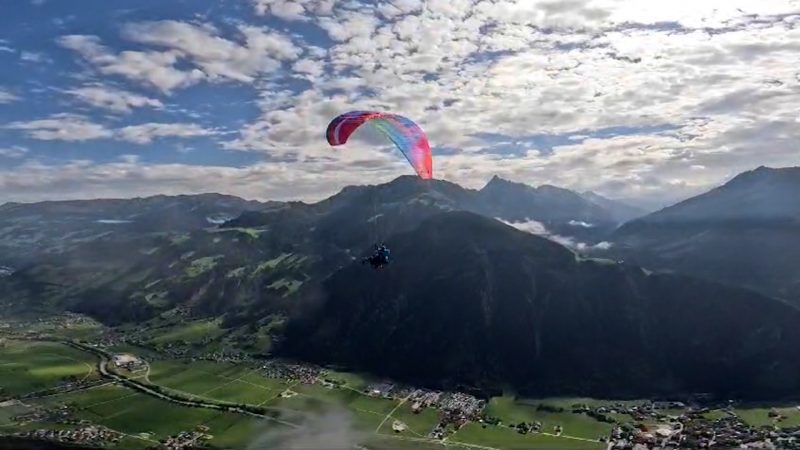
(648,102)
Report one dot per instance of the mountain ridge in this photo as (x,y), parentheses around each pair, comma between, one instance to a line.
(481,297)
(745,232)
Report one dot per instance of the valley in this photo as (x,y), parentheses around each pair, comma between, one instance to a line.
(510,317)
(82,390)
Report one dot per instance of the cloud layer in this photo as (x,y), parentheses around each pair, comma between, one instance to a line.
(649,104)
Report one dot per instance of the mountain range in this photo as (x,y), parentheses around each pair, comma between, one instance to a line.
(745,233)
(468,300)
(485,305)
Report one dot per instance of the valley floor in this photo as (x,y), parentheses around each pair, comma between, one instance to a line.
(119,396)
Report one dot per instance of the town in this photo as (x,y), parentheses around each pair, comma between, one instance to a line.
(633,425)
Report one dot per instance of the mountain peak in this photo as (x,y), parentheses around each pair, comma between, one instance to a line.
(496,181)
(764,173)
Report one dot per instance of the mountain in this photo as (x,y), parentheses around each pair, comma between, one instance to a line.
(621,211)
(378,211)
(490,306)
(29,229)
(745,232)
(517,201)
(475,302)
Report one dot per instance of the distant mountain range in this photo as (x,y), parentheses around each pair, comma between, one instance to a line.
(745,232)
(467,299)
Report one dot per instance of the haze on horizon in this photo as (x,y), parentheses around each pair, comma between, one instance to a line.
(647,104)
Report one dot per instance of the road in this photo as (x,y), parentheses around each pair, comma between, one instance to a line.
(392,412)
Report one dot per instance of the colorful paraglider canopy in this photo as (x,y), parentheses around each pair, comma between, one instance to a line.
(406,135)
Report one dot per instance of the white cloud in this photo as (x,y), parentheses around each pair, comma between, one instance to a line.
(493,72)
(293,10)
(33,181)
(7,97)
(645,102)
(15,151)
(580,223)
(529,226)
(217,57)
(539,229)
(73,127)
(146,133)
(61,127)
(113,99)
(213,57)
(312,68)
(154,69)
(34,57)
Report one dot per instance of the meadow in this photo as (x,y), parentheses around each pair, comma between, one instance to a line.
(36,366)
(27,367)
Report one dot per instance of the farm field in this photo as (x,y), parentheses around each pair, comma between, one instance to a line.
(292,409)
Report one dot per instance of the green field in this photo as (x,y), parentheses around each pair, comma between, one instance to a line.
(507,439)
(147,419)
(758,417)
(419,424)
(512,411)
(35,366)
(190,333)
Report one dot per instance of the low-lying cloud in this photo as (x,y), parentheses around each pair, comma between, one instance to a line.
(580,223)
(539,229)
(329,429)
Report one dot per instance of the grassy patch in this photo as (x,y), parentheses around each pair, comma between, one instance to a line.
(250,232)
(239,432)
(419,425)
(192,333)
(158,299)
(759,417)
(351,380)
(512,411)
(290,286)
(241,392)
(179,239)
(236,273)
(202,265)
(33,366)
(506,439)
(272,263)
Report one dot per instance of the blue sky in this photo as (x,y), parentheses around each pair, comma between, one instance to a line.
(126,98)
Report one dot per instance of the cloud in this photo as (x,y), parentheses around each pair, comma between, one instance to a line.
(217,57)
(213,58)
(113,99)
(34,181)
(151,68)
(333,429)
(73,127)
(34,57)
(15,151)
(622,100)
(7,97)
(62,127)
(539,229)
(528,226)
(580,223)
(293,10)
(146,133)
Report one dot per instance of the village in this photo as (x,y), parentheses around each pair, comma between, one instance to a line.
(651,425)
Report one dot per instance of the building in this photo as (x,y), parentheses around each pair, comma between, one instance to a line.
(128,362)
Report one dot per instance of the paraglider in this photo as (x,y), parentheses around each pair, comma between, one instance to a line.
(406,135)
(379,258)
